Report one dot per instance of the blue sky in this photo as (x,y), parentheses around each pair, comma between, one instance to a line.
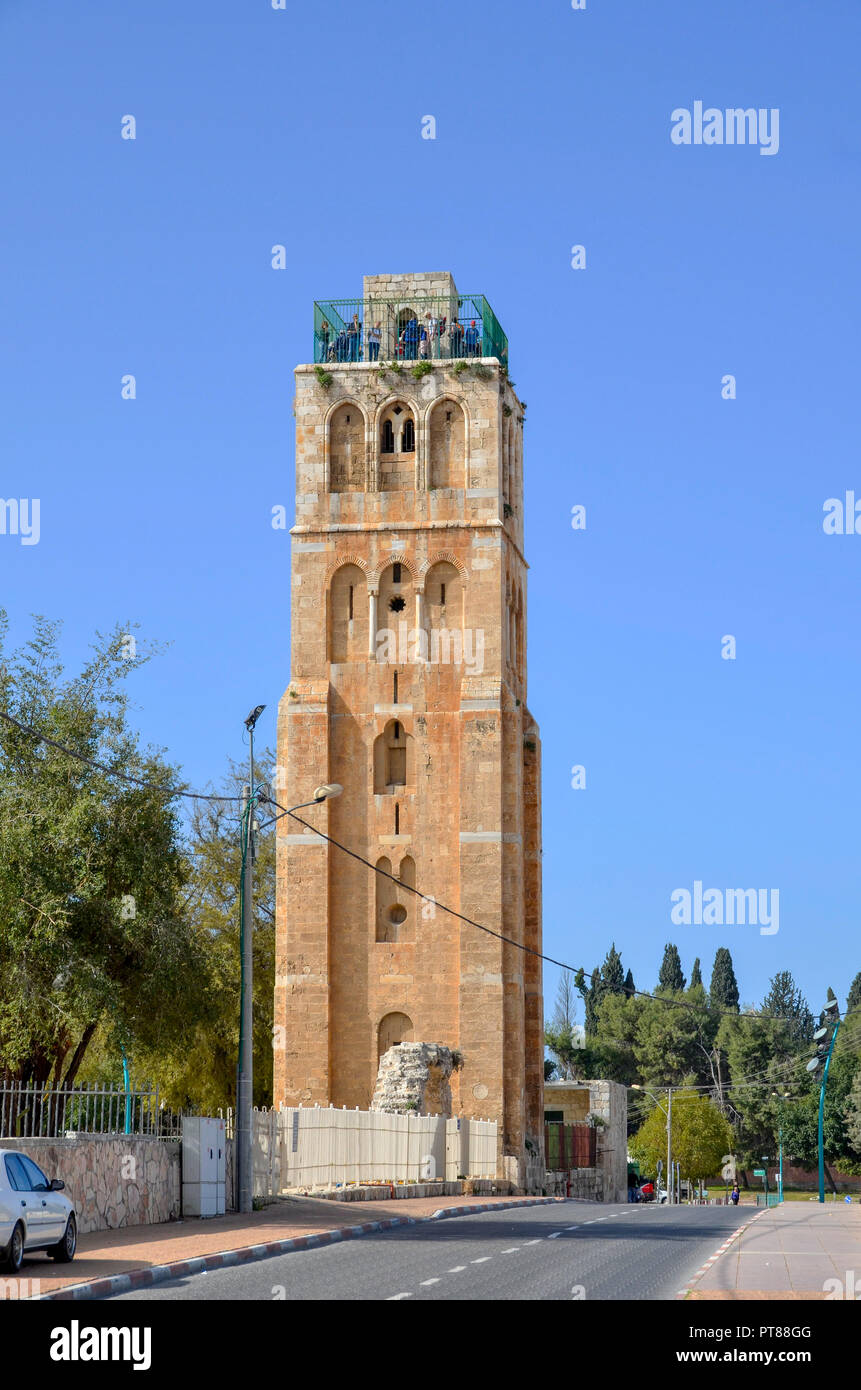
(704,516)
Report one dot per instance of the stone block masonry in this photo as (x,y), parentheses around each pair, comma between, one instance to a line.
(409,509)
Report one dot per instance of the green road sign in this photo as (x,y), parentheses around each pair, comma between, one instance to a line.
(759,1172)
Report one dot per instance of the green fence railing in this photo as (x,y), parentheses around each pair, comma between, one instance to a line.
(432,328)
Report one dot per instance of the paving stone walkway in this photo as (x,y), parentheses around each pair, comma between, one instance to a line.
(791,1252)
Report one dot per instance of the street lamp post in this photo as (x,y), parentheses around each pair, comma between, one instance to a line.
(245,1079)
(824,1050)
(780,1098)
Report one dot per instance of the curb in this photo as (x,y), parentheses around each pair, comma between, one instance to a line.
(246,1254)
(721,1250)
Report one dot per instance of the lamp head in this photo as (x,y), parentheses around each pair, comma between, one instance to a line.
(328,790)
(254,716)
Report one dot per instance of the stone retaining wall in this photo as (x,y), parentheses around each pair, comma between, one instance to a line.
(589,1184)
(113,1180)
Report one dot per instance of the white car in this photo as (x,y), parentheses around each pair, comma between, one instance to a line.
(34,1214)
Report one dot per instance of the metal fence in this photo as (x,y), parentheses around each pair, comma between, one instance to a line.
(49,1112)
(569,1146)
(446,328)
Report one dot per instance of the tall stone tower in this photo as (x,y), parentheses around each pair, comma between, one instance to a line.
(408,686)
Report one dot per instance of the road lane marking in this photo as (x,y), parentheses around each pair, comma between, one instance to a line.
(425,1282)
(512,1249)
(483,1259)
(393,1298)
(537,1241)
(554,1235)
(458,1269)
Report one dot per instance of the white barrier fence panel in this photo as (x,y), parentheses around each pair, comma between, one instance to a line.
(324,1147)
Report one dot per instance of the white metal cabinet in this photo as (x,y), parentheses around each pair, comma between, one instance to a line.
(204,1166)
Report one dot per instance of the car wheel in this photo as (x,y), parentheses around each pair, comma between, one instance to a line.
(15,1251)
(64,1251)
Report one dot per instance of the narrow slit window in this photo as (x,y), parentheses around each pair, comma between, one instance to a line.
(395,688)
(351,603)
(408,438)
(396,574)
(397,819)
(441,596)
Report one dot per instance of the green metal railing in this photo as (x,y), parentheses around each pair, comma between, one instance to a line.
(433,328)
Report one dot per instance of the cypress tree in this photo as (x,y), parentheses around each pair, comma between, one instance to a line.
(671,976)
(612,973)
(723,991)
(696,974)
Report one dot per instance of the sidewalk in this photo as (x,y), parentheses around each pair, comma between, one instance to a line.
(789,1252)
(142,1255)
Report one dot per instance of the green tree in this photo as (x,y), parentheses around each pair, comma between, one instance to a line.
(784,1000)
(852,1113)
(610,979)
(91,866)
(761,1058)
(672,1040)
(800,1119)
(202,1072)
(700,1136)
(723,991)
(611,1050)
(612,972)
(853,999)
(629,987)
(590,994)
(671,976)
(696,974)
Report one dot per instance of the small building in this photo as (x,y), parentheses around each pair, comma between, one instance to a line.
(603,1105)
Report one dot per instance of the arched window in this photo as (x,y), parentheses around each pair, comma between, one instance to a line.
(392,758)
(347,450)
(385,897)
(443,607)
(447,445)
(393,1029)
(398,438)
(396,605)
(348,615)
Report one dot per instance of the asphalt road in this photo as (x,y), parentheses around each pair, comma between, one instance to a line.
(567,1250)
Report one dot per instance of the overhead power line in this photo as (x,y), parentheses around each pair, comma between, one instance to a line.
(111,771)
(469,921)
(519,945)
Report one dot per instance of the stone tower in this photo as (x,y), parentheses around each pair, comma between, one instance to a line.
(408,686)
